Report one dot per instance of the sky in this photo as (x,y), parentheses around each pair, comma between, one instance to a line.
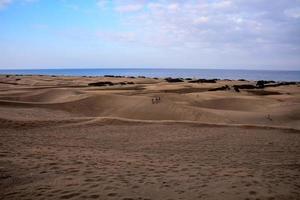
(230,34)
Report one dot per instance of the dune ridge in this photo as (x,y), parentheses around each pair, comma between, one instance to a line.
(95,121)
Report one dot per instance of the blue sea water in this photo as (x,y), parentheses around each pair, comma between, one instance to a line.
(161,73)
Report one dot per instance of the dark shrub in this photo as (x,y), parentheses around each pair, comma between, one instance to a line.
(203,81)
(226,87)
(103,83)
(246,86)
(236,89)
(281,83)
(173,80)
(262,83)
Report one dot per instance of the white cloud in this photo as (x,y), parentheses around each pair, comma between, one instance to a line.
(173,7)
(154,6)
(4,3)
(102,3)
(222,4)
(129,8)
(293,12)
(201,20)
(238,23)
(236,31)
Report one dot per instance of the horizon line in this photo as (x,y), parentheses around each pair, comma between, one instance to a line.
(144,68)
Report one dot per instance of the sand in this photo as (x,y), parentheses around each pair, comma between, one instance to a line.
(63,139)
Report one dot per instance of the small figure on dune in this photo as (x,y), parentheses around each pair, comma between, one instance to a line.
(158,99)
(155,100)
(269,117)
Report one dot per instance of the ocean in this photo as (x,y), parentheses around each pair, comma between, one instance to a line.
(174,73)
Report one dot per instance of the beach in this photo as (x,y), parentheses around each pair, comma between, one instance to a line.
(115,137)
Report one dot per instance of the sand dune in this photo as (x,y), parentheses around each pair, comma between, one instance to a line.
(61,139)
(228,103)
(215,107)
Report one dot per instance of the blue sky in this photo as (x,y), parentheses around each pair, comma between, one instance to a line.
(256,34)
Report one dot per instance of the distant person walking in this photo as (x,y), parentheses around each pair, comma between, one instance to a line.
(155,100)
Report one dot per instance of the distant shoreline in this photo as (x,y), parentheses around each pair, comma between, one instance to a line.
(125,68)
(135,77)
(231,74)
